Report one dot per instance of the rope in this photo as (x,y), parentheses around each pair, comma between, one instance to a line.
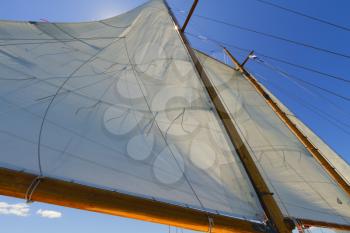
(211,224)
(32,187)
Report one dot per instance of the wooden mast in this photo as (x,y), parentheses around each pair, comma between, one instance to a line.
(284,117)
(189,16)
(266,198)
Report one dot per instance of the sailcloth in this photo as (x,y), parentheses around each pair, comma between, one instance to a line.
(302,188)
(339,164)
(117,104)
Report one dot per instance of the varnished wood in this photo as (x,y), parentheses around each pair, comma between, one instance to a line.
(58,192)
(189,16)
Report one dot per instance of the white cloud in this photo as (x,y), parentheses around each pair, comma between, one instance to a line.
(49,213)
(20,209)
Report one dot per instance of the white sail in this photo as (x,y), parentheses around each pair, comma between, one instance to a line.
(303,189)
(117,104)
(339,164)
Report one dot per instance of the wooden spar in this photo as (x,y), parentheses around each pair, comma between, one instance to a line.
(266,198)
(302,222)
(189,16)
(58,192)
(284,117)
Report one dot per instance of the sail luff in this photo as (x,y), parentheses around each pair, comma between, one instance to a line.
(266,198)
(69,194)
(284,117)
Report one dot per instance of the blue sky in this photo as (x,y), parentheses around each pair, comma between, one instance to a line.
(247,13)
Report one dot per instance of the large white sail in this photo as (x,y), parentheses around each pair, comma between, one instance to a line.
(117,104)
(339,164)
(302,187)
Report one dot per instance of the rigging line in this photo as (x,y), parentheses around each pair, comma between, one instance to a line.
(304,15)
(303,44)
(329,118)
(289,76)
(339,108)
(305,68)
(216,42)
(271,58)
(246,50)
(54,97)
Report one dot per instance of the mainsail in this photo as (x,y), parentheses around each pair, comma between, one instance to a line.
(118,105)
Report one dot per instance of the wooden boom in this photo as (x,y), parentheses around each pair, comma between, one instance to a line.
(58,192)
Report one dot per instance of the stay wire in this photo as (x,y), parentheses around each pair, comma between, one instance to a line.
(341,109)
(287,75)
(311,108)
(323,115)
(305,68)
(217,43)
(329,101)
(328,75)
(304,15)
(303,44)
